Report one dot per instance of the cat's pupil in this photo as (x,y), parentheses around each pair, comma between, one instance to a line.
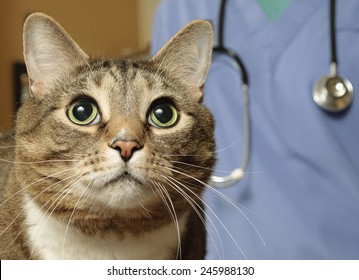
(82,110)
(163,113)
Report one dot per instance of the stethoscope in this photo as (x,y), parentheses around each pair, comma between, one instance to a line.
(331,93)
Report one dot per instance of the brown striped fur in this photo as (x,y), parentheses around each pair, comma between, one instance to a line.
(69,170)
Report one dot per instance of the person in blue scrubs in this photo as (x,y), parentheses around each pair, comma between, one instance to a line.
(299,198)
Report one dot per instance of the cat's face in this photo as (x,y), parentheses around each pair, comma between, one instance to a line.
(111,134)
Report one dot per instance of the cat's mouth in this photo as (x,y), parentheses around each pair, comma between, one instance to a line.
(125,177)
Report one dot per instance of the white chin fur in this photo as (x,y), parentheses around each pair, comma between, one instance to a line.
(122,195)
(50,238)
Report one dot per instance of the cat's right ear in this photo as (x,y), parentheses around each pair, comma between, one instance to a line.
(187,56)
(49,52)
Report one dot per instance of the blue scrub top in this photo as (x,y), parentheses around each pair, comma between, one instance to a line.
(300,196)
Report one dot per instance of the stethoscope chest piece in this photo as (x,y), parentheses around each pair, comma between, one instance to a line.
(333,93)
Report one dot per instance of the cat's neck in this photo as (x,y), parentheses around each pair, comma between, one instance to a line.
(53,239)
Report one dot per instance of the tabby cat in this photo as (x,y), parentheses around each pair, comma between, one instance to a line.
(109,157)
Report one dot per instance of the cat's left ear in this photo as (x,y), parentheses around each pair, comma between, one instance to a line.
(49,52)
(187,56)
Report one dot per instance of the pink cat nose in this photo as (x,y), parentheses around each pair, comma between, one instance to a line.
(126,148)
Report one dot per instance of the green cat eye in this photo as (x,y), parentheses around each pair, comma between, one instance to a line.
(83,112)
(163,115)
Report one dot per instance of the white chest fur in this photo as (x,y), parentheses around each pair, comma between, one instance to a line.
(52,239)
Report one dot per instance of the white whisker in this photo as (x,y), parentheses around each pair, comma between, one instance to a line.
(198,166)
(70,218)
(171,209)
(57,204)
(33,183)
(226,199)
(193,204)
(23,209)
(40,161)
(225,228)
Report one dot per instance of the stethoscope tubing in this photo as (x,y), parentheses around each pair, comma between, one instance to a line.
(238,173)
(320,90)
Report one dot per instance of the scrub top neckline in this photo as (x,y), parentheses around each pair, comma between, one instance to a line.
(265,34)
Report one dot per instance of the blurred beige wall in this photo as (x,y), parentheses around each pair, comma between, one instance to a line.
(145,11)
(102,28)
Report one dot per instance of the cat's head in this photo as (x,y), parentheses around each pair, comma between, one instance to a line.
(105,134)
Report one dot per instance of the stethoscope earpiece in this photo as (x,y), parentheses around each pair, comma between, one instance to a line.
(333,93)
